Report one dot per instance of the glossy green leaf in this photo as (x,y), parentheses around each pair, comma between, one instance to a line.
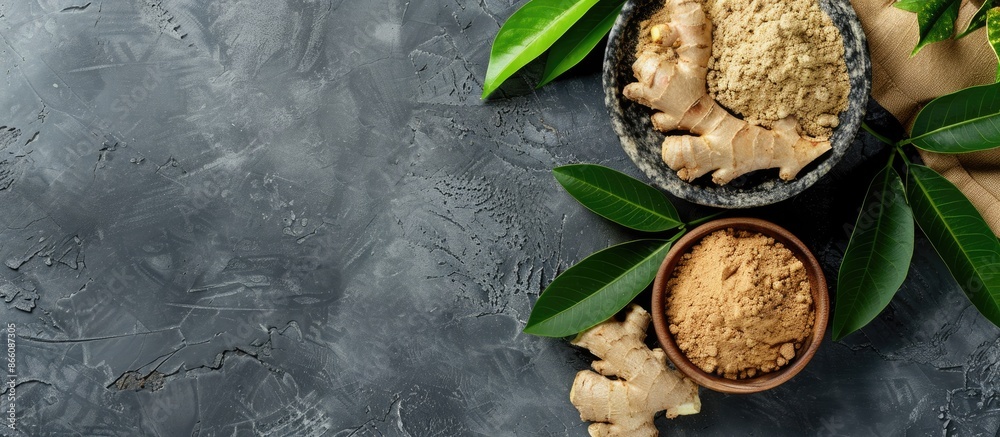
(580,39)
(935,19)
(978,20)
(959,235)
(993,33)
(877,257)
(964,121)
(527,34)
(596,288)
(618,197)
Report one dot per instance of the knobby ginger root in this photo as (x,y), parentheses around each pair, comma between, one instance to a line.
(644,386)
(671,69)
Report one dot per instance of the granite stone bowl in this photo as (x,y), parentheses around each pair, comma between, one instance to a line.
(642,144)
(817,287)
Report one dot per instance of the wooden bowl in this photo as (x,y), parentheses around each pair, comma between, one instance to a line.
(817,283)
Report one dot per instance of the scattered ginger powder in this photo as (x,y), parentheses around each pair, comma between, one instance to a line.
(775,58)
(739,304)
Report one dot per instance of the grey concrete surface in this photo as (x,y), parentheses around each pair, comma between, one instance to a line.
(296,218)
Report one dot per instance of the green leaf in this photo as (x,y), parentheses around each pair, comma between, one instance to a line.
(580,39)
(967,120)
(527,34)
(993,33)
(596,288)
(978,20)
(935,18)
(878,256)
(618,197)
(960,235)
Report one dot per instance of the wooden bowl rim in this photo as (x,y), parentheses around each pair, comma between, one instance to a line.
(818,288)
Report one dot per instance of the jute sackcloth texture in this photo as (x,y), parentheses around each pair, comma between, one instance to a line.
(903,84)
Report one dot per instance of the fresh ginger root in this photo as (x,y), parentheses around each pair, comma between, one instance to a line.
(644,386)
(671,68)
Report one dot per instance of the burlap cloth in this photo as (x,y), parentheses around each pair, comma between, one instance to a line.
(902,84)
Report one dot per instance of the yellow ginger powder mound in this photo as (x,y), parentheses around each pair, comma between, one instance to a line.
(777,58)
(739,304)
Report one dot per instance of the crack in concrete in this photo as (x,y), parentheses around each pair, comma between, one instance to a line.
(76,8)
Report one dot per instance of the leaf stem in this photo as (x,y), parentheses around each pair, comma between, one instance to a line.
(902,154)
(877,135)
(704,219)
(680,233)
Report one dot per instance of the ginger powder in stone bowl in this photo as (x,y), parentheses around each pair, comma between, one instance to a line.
(740,305)
(797,90)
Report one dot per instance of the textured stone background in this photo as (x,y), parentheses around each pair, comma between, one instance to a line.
(294,217)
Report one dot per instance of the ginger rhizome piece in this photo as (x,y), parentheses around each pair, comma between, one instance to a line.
(640,383)
(671,69)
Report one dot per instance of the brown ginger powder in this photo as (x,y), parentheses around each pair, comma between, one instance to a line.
(739,304)
(775,58)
